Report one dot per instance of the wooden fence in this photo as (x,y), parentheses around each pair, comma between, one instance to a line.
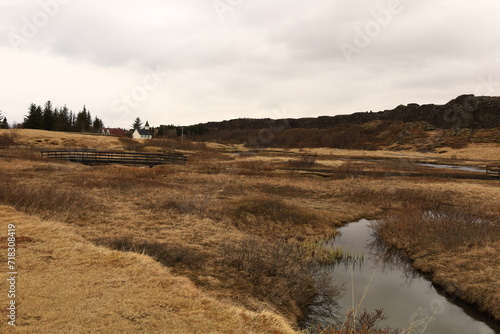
(493,171)
(116,157)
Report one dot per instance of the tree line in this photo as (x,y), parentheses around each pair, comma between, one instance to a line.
(3,122)
(52,118)
(186,131)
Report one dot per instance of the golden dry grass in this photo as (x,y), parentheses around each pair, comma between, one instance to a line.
(41,138)
(482,152)
(473,275)
(458,247)
(200,206)
(68,285)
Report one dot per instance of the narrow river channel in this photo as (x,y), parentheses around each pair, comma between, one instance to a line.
(405,296)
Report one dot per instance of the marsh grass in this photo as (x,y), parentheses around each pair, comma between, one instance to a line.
(172,145)
(180,202)
(326,254)
(253,167)
(8,139)
(258,212)
(350,169)
(397,196)
(454,245)
(303,161)
(268,215)
(47,200)
(361,323)
(443,228)
(283,274)
(168,254)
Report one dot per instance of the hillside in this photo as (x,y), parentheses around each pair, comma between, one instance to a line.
(465,111)
(464,120)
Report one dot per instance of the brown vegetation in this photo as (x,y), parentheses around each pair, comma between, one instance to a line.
(228,224)
(282,274)
(46,199)
(453,245)
(169,255)
(8,139)
(362,323)
(305,161)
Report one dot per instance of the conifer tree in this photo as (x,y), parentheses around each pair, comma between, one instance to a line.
(97,124)
(4,124)
(48,116)
(3,121)
(137,124)
(34,119)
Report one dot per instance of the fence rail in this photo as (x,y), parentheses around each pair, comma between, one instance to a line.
(493,171)
(110,157)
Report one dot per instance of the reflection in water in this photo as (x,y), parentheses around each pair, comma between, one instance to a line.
(408,299)
(391,259)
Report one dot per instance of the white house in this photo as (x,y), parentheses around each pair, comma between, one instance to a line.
(142,133)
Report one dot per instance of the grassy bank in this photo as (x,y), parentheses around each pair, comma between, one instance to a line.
(457,247)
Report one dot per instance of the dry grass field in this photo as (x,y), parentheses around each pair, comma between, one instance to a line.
(216,246)
(69,285)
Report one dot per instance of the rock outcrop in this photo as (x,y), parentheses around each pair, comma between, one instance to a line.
(465,111)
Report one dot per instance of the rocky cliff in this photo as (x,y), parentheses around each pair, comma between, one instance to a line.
(466,111)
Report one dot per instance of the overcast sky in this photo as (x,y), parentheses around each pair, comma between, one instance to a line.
(191,61)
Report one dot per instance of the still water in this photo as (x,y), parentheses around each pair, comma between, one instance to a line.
(405,296)
(455,167)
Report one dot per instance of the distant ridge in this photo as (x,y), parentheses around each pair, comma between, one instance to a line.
(465,111)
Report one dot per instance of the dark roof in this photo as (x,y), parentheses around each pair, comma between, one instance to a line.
(143,132)
(114,132)
(147,123)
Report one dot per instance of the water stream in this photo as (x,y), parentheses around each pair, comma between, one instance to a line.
(405,296)
(455,167)
(473,169)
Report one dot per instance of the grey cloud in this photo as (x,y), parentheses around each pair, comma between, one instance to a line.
(265,54)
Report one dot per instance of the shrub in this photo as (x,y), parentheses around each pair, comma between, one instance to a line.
(7,139)
(184,203)
(254,167)
(349,169)
(259,214)
(410,198)
(442,228)
(167,254)
(46,200)
(130,144)
(172,145)
(305,161)
(284,275)
(361,323)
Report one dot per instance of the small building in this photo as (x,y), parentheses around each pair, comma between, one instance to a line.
(112,132)
(142,133)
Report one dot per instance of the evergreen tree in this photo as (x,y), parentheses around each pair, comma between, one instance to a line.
(58,119)
(55,120)
(137,124)
(64,119)
(88,120)
(48,116)
(98,124)
(83,120)
(3,122)
(72,121)
(80,122)
(34,119)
